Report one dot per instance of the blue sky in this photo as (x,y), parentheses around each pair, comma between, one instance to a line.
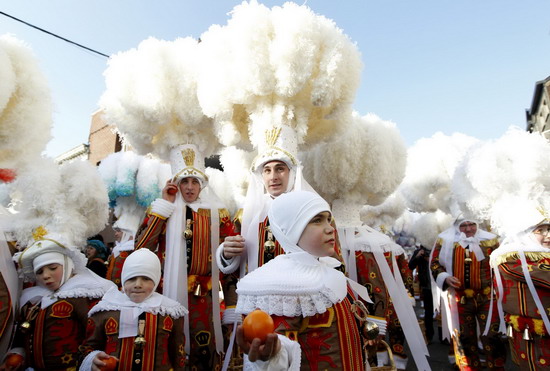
(434,65)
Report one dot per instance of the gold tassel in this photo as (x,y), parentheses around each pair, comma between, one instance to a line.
(526,335)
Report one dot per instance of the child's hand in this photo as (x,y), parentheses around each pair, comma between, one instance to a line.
(256,350)
(98,363)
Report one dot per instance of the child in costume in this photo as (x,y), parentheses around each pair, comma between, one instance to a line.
(317,316)
(139,326)
(54,313)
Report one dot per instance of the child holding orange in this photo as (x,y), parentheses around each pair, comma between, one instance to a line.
(311,303)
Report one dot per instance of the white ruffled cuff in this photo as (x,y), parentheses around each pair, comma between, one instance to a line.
(162,207)
(229,317)
(381,322)
(88,361)
(440,281)
(288,358)
(226,266)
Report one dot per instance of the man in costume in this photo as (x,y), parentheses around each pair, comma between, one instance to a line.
(184,228)
(460,267)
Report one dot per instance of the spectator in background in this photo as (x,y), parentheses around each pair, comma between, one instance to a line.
(420,261)
(97,254)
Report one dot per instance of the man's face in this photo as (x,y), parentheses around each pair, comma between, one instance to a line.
(468,228)
(275,175)
(542,235)
(118,234)
(190,189)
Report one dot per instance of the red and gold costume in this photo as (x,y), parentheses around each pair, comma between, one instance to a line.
(369,275)
(329,341)
(472,302)
(203,355)
(530,339)
(51,342)
(114,267)
(164,341)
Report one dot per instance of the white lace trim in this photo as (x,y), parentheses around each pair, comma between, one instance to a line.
(287,305)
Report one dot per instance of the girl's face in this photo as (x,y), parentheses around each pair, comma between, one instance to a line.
(50,276)
(542,235)
(91,252)
(138,288)
(318,236)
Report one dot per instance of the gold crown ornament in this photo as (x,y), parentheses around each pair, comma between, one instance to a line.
(187,161)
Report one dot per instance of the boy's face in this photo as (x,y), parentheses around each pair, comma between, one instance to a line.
(318,236)
(190,189)
(275,175)
(50,276)
(139,288)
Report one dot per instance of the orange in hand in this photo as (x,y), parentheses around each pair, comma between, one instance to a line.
(110,364)
(258,324)
(172,190)
(14,360)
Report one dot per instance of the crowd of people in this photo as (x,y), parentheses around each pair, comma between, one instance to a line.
(186,268)
(71,317)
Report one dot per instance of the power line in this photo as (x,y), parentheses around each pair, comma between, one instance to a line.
(54,35)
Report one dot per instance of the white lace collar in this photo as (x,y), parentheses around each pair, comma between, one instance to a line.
(155,304)
(82,285)
(291,285)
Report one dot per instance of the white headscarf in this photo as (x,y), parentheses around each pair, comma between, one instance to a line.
(297,283)
(142,262)
(53,257)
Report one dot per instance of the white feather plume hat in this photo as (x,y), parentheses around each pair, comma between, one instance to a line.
(187,161)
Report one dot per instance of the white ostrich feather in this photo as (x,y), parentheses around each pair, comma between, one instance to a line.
(126,173)
(504,171)
(429,225)
(218,183)
(85,200)
(108,170)
(430,168)
(384,214)
(25,105)
(70,200)
(236,165)
(365,164)
(284,66)
(151,97)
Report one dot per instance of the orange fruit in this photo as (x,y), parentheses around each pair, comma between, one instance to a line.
(257,324)
(14,360)
(110,364)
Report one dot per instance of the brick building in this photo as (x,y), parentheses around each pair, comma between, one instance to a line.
(102,140)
